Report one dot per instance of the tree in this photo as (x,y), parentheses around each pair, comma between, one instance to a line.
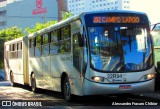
(6,35)
(10,33)
(39,26)
(67,15)
(14,32)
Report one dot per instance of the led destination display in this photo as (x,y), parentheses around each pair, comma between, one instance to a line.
(116,19)
(97,19)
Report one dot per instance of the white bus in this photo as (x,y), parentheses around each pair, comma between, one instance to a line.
(93,53)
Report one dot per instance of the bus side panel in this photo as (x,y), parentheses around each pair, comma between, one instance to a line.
(19,74)
(46,73)
(35,66)
(63,63)
(75,77)
(56,71)
(14,60)
(16,67)
(13,68)
(6,62)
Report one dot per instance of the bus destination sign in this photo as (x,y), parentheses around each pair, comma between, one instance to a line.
(116,19)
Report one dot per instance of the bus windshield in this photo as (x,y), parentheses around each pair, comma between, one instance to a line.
(120,48)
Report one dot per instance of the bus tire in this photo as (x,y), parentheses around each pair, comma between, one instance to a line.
(33,83)
(157,81)
(12,80)
(67,89)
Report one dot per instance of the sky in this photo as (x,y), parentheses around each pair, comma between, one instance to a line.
(150,7)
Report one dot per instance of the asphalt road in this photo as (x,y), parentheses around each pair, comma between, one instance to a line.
(22,97)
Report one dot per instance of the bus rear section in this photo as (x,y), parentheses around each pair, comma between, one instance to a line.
(15,61)
(120,51)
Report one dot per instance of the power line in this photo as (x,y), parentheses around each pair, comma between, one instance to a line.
(29,17)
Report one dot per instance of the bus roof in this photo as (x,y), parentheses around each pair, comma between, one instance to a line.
(14,40)
(57,25)
(76,17)
(73,18)
(114,11)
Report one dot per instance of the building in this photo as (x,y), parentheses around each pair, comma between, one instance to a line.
(62,8)
(78,6)
(26,13)
(3,13)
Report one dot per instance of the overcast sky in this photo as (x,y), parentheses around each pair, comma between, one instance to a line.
(151,7)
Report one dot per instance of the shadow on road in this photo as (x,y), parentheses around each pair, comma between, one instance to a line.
(55,98)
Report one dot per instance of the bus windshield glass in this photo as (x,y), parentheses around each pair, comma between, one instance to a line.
(120,47)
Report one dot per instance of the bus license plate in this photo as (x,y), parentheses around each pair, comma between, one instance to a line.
(114,76)
(123,87)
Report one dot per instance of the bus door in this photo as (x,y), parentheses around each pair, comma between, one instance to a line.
(77,60)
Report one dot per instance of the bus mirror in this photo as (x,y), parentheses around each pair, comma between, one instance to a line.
(138,32)
(80,40)
(131,32)
(81,29)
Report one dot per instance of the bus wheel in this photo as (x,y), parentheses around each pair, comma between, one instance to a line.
(33,83)
(66,89)
(12,80)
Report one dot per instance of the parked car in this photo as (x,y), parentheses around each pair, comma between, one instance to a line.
(1,78)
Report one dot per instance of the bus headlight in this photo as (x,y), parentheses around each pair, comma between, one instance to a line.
(147,77)
(150,76)
(97,79)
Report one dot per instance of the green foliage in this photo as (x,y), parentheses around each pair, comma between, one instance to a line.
(67,15)
(39,26)
(14,32)
(10,33)
(6,35)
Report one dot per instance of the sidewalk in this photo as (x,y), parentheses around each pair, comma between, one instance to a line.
(5,83)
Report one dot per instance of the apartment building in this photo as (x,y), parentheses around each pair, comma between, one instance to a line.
(78,6)
(3,13)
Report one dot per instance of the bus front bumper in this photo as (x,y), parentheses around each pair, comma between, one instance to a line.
(92,88)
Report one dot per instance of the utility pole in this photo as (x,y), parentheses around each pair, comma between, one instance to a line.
(44,18)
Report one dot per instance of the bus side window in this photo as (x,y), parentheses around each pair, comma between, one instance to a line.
(45,46)
(38,43)
(10,49)
(31,47)
(21,45)
(65,39)
(14,51)
(54,48)
(76,52)
(19,49)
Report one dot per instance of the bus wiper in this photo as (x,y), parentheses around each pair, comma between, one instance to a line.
(130,43)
